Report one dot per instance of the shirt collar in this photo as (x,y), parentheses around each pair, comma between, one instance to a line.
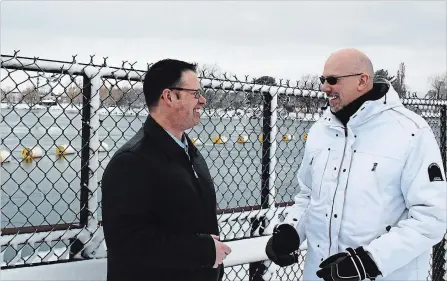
(183,143)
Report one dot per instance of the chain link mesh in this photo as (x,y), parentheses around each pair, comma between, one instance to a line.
(53,155)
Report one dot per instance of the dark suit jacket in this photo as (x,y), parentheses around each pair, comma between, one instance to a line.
(157,215)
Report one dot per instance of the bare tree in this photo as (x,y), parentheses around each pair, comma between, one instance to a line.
(210,71)
(438,87)
(2,96)
(382,73)
(399,82)
(74,94)
(104,94)
(132,97)
(30,96)
(307,104)
(309,82)
(111,95)
(8,96)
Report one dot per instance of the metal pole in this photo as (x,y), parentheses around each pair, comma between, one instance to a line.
(268,175)
(85,149)
(76,246)
(439,259)
(93,239)
(443,138)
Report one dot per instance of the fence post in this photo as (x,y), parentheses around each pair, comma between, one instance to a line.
(443,131)
(268,175)
(439,259)
(85,149)
(85,244)
(76,245)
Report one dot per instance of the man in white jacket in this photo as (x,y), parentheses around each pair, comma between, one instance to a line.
(372,199)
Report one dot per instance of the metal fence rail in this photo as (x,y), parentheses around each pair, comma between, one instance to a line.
(62,121)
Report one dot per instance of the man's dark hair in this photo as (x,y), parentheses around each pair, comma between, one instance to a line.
(164,74)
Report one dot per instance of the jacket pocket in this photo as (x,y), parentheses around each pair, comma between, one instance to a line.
(376,180)
(371,185)
(318,168)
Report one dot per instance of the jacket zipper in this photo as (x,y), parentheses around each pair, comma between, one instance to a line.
(194,170)
(333,198)
(190,161)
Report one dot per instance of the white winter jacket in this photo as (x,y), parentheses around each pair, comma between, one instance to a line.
(369,185)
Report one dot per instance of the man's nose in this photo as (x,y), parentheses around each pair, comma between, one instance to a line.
(202,100)
(325,87)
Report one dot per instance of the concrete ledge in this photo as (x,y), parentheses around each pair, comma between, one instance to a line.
(87,270)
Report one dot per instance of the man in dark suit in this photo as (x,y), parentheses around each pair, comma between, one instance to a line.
(158,198)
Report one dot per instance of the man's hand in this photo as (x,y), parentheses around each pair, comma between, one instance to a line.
(282,247)
(353,265)
(222,251)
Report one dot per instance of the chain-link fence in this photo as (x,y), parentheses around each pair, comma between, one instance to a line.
(62,122)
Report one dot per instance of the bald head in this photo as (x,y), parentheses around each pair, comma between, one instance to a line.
(353,73)
(350,61)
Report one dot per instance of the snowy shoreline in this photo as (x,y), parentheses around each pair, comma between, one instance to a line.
(244,113)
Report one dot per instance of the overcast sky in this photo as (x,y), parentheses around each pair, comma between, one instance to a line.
(281,39)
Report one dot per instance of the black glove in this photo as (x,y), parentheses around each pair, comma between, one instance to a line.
(282,247)
(349,266)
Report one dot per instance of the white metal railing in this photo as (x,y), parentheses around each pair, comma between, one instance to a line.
(234,226)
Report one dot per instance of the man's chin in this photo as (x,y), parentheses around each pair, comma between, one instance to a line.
(335,109)
(196,120)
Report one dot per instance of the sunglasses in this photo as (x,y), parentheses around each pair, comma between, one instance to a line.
(332,80)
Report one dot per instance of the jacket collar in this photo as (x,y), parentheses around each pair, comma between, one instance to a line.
(368,107)
(349,110)
(157,133)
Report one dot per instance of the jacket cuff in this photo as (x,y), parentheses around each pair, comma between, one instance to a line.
(373,255)
(208,250)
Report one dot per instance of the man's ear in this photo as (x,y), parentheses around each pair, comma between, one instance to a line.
(363,82)
(166,95)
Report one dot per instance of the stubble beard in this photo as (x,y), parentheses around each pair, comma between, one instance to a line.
(337,104)
(336,107)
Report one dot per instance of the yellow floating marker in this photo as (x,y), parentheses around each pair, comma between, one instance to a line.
(5,156)
(64,149)
(287,137)
(196,141)
(261,138)
(29,153)
(242,139)
(220,139)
